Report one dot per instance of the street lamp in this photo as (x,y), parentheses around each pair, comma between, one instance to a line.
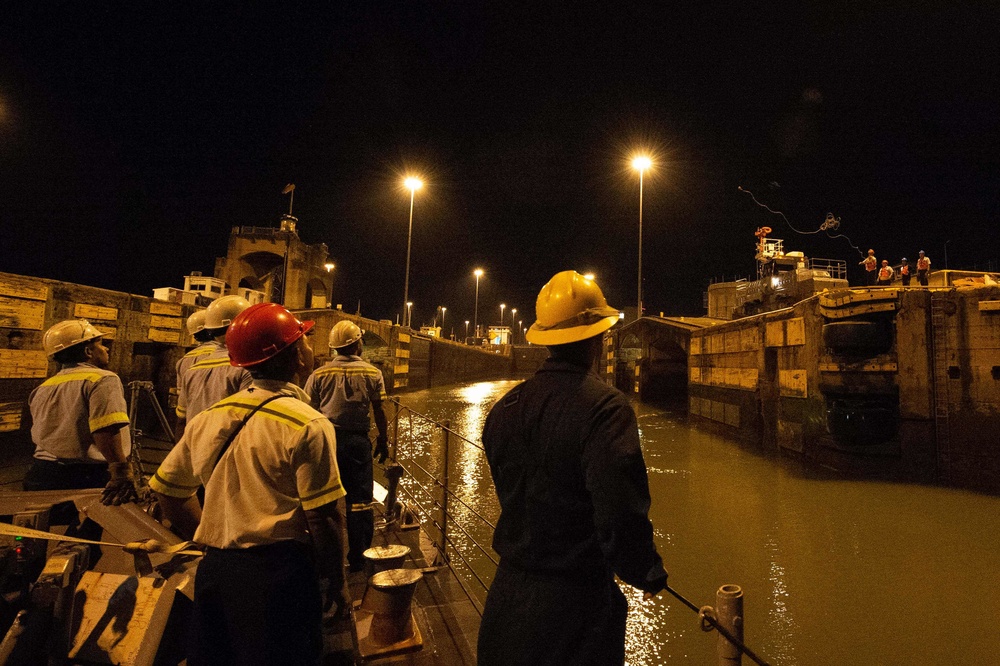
(408,306)
(502,306)
(412,184)
(466,330)
(329,266)
(519,326)
(513,311)
(640,163)
(475,316)
(443,308)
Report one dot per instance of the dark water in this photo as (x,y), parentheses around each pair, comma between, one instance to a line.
(833,571)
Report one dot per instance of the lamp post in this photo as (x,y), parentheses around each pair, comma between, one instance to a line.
(408,306)
(520,327)
(443,308)
(412,184)
(513,312)
(640,163)
(475,315)
(466,330)
(502,306)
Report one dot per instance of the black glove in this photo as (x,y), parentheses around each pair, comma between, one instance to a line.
(121,487)
(381,449)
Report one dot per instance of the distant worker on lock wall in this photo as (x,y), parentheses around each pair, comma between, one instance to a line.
(923,268)
(904,272)
(871,268)
(210,378)
(885,274)
(80,423)
(344,390)
(565,456)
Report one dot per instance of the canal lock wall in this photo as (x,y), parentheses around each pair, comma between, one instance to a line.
(896,383)
(147,337)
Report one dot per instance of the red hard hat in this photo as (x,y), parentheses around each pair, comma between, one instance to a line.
(261,331)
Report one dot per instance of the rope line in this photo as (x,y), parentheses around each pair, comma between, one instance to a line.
(826,226)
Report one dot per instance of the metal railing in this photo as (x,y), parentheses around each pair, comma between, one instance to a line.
(460,532)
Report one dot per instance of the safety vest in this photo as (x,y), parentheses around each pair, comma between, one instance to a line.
(885,273)
(923,263)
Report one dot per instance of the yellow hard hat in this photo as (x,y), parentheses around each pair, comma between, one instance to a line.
(67,333)
(344,334)
(570,308)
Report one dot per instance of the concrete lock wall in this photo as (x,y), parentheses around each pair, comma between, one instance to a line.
(146,338)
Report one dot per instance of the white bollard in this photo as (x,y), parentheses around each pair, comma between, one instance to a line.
(729,610)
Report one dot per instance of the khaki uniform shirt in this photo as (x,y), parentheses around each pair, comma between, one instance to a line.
(344,390)
(207,381)
(70,405)
(283,462)
(195,354)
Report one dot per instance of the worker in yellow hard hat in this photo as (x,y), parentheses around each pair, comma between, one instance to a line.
(563,449)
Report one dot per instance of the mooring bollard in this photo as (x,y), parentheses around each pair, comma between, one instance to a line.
(729,611)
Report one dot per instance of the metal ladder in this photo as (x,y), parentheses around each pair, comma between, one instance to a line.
(939,342)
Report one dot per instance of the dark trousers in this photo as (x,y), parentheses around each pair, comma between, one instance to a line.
(922,277)
(256,606)
(871,277)
(354,458)
(906,279)
(538,619)
(52,475)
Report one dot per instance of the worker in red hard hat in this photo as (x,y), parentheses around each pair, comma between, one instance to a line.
(564,451)
(271,521)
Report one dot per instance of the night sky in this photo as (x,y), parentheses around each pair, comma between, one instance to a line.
(134,135)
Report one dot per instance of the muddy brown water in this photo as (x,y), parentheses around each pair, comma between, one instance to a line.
(833,570)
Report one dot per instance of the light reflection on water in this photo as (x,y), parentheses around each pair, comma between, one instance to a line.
(833,571)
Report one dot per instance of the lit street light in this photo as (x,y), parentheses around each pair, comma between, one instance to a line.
(408,306)
(513,311)
(443,308)
(466,330)
(640,163)
(520,327)
(475,316)
(502,306)
(412,184)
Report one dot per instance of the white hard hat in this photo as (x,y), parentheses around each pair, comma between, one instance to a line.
(223,311)
(67,333)
(344,334)
(196,322)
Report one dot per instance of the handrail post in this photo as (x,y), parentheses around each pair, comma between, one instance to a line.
(444,492)
(729,609)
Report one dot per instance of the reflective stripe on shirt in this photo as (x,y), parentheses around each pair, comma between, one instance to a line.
(281,463)
(71,405)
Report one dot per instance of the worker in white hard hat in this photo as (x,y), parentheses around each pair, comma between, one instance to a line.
(206,344)
(80,423)
(564,451)
(210,378)
(345,390)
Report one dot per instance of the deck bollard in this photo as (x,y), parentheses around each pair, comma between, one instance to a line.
(729,612)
